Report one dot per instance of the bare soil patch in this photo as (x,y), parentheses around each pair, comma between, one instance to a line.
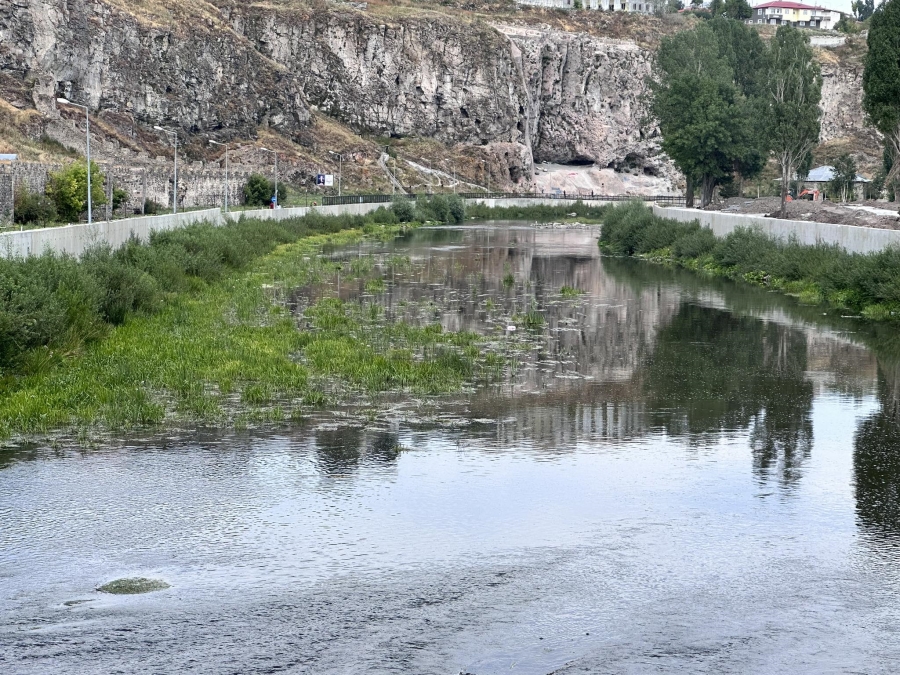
(861,214)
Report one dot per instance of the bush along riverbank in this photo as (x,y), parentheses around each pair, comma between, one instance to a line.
(201,325)
(588,213)
(867,285)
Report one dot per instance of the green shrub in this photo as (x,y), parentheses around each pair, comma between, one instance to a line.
(694,244)
(868,284)
(32,207)
(68,190)
(404,210)
(152,207)
(55,301)
(259,190)
(457,208)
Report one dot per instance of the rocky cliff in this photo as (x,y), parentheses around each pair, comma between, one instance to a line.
(520,94)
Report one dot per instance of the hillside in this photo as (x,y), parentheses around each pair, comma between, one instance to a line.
(478,89)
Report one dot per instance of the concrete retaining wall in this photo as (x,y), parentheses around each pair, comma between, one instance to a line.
(849,237)
(75,239)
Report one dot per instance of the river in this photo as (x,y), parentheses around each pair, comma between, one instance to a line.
(678,475)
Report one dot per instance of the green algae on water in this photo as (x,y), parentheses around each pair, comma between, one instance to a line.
(133,586)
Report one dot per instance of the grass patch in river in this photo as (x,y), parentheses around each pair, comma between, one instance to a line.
(133,586)
(569,292)
(231,354)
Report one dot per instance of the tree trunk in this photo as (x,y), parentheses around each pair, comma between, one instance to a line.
(709,184)
(689,193)
(785,177)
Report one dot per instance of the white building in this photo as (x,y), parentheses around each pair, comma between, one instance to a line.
(641,6)
(795,14)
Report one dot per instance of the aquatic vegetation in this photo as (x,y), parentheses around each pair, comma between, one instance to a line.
(540,213)
(230,353)
(133,586)
(569,292)
(532,319)
(868,285)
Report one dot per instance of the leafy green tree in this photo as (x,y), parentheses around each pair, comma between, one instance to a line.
(738,10)
(793,89)
(705,100)
(844,177)
(881,80)
(745,52)
(119,198)
(68,190)
(716,7)
(863,9)
(259,190)
(846,25)
(696,4)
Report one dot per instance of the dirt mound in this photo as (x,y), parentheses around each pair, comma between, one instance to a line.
(861,214)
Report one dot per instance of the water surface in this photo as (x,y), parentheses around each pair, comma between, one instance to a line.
(674,475)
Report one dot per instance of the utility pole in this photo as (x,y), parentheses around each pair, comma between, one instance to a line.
(340,168)
(226,173)
(87,128)
(275,152)
(174,136)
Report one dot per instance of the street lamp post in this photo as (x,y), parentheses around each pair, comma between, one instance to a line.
(173,135)
(227,185)
(340,169)
(87,128)
(274,152)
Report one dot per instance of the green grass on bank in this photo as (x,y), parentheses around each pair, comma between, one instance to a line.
(868,285)
(198,325)
(231,353)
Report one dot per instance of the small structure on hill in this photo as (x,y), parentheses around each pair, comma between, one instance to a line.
(820,179)
(638,6)
(796,14)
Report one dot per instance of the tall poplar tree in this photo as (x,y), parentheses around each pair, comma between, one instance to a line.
(881,81)
(695,103)
(793,90)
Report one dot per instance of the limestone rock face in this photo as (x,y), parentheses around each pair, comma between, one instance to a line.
(526,95)
(442,79)
(587,100)
(842,113)
(191,74)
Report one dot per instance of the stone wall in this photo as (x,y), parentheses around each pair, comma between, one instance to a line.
(198,185)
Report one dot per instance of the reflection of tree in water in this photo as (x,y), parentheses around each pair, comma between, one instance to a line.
(342,450)
(714,371)
(876,459)
(338,450)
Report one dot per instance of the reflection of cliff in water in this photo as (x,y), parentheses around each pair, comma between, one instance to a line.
(642,350)
(876,458)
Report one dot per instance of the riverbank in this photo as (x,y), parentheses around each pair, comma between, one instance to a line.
(863,284)
(204,325)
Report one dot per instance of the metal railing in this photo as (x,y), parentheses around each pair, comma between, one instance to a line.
(385,198)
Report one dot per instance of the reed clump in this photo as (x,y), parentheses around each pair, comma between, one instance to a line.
(865,284)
